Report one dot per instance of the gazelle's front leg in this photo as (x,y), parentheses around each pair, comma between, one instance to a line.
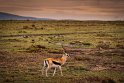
(54,71)
(60,68)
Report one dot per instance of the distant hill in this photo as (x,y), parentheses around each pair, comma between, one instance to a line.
(8,16)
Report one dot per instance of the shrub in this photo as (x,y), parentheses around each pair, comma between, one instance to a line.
(87,44)
(32,41)
(22,32)
(120,46)
(36,48)
(102,34)
(25,27)
(103,45)
(78,58)
(80,43)
(33,25)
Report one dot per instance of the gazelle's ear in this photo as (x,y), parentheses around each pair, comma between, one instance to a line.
(64,52)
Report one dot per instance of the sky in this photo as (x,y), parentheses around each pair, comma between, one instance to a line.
(66,9)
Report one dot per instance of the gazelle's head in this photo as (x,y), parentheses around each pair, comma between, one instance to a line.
(66,54)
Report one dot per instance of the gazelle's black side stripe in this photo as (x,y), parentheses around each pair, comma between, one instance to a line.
(56,63)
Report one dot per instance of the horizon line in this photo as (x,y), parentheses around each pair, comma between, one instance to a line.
(64,19)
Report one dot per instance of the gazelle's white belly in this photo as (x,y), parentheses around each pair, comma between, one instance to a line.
(53,65)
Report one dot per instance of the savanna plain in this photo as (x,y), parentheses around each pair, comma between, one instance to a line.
(96,50)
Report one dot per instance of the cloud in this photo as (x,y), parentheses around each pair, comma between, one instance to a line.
(65,8)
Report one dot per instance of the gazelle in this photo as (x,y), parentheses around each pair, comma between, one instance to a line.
(54,63)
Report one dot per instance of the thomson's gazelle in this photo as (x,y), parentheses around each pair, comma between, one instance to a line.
(55,63)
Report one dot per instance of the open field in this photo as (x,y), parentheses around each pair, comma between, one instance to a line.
(96,49)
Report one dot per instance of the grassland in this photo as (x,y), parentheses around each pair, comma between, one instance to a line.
(96,49)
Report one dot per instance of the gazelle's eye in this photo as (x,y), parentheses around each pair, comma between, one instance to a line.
(68,55)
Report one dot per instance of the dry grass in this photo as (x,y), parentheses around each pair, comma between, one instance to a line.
(29,42)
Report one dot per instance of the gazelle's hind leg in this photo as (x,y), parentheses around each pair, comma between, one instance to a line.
(45,66)
(46,70)
(43,70)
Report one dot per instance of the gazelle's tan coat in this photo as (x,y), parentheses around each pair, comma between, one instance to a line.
(54,62)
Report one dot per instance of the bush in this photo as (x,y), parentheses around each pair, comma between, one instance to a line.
(36,48)
(120,46)
(87,44)
(102,34)
(78,58)
(28,27)
(25,27)
(22,32)
(80,43)
(103,45)
(33,25)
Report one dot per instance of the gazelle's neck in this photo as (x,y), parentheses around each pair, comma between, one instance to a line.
(64,57)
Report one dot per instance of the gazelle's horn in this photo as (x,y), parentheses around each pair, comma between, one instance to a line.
(64,50)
